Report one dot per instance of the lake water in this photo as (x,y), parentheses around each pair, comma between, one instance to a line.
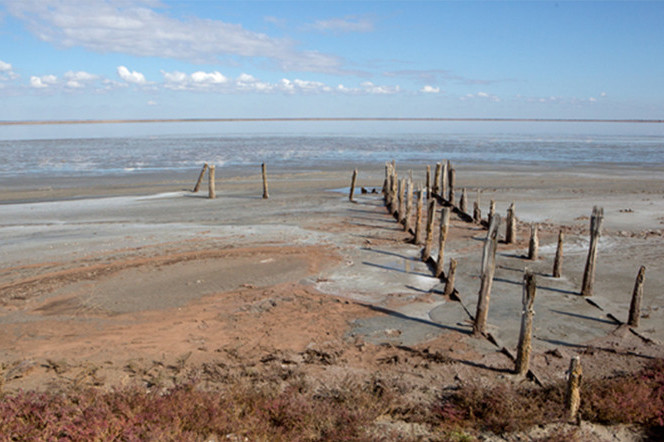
(179,152)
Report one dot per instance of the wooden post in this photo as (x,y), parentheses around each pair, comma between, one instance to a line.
(488,269)
(387,177)
(452,174)
(409,205)
(212,194)
(443,180)
(573,394)
(477,212)
(442,238)
(395,188)
(436,179)
(533,244)
(449,281)
(353,180)
(402,201)
(418,215)
(558,261)
(510,226)
(589,273)
(428,186)
(492,211)
(463,201)
(200,178)
(431,212)
(525,335)
(266,195)
(637,294)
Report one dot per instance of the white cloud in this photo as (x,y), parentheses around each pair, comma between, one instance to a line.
(430,89)
(208,77)
(347,24)
(131,76)
(481,96)
(370,88)
(79,79)
(603,94)
(43,82)
(138,28)
(7,71)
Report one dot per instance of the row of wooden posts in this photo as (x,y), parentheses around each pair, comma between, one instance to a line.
(211,181)
(398,196)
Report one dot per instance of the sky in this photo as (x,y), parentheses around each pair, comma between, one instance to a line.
(103,59)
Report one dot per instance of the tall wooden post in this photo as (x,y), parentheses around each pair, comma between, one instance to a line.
(637,294)
(488,269)
(436,179)
(442,239)
(525,335)
(212,193)
(418,216)
(589,273)
(409,205)
(558,261)
(266,194)
(477,212)
(353,181)
(573,394)
(428,186)
(463,202)
(449,281)
(492,211)
(510,226)
(200,178)
(443,180)
(452,175)
(431,212)
(402,201)
(533,244)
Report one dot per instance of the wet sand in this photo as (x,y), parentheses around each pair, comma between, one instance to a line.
(111,281)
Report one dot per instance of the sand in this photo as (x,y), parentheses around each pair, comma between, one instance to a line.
(111,281)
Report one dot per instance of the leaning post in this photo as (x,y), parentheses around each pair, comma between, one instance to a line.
(558,261)
(353,181)
(637,294)
(589,273)
(200,178)
(488,269)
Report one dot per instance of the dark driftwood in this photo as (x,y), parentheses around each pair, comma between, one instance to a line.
(637,294)
(428,186)
(353,181)
(442,238)
(200,178)
(488,269)
(266,194)
(452,177)
(212,192)
(589,273)
(558,261)
(524,347)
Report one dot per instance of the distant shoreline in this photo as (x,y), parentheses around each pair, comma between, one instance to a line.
(323,119)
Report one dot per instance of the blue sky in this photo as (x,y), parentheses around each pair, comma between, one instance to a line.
(96,59)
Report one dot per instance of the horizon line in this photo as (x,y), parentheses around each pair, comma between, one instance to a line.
(330,119)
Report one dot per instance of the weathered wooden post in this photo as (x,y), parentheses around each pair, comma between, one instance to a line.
(463,203)
(449,281)
(212,193)
(409,205)
(573,394)
(436,179)
(525,335)
(395,189)
(510,225)
(637,294)
(488,269)
(558,261)
(443,180)
(452,175)
(402,201)
(589,273)
(533,244)
(492,211)
(353,180)
(442,239)
(431,212)
(387,177)
(418,215)
(477,212)
(200,178)
(428,186)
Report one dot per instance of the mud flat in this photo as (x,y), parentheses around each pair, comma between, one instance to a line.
(112,282)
